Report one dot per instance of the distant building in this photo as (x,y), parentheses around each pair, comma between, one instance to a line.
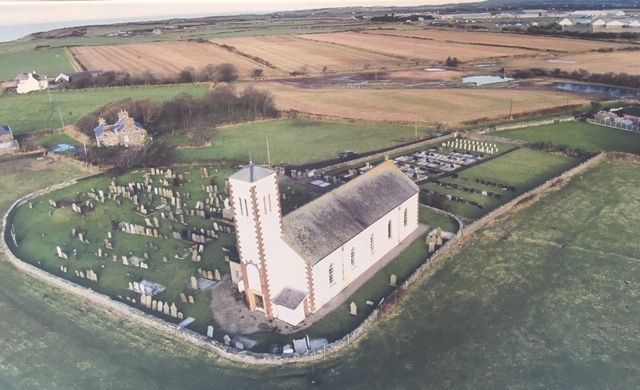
(31,81)
(125,132)
(62,78)
(291,266)
(156,31)
(7,143)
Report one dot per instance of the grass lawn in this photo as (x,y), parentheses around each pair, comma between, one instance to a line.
(548,298)
(25,113)
(46,61)
(51,141)
(522,168)
(339,322)
(296,141)
(580,135)
(40,228)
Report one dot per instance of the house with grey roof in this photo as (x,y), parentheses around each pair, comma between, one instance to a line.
(125,131)
(292,266)
(7,143)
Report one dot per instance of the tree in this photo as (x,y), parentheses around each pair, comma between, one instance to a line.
(225,73)
(257,73)
(452,62)
(187,75)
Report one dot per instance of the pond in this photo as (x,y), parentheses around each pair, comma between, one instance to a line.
(594,89)
(485,80)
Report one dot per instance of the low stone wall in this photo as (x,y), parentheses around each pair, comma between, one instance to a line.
(381,155)
(522,125)
(431,265)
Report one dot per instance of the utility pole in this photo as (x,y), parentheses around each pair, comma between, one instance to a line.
(415,127)
(511,109)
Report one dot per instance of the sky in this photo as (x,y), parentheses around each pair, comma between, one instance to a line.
(24,12)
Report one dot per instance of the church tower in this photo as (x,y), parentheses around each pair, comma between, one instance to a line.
(258,220)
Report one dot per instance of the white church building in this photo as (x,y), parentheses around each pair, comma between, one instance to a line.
(293,265)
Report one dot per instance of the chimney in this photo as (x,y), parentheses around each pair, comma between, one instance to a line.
(251,171)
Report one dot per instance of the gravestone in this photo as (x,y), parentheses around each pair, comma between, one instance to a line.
(392,280)
(183,298)
(173,311)
(217,275)
(194,283)
(210,331)
(226,339)
(191,300)
(353,309)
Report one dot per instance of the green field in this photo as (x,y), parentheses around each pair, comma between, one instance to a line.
(52,141)
(46,61)
(296,141)
(25,113)
(539,301)
(579,135)
(522,168)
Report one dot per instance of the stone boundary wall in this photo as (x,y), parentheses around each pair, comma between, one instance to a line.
(381,155)
(431,265)
(522,125)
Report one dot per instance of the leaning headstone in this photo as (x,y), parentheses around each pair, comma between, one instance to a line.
(392,280)
(217,275)
(353,309)
(226,339)
(183,298)
(191,299)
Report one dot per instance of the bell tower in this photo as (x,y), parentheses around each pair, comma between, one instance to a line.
(257,216)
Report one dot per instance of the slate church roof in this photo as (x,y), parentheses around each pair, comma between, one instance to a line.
(325,224)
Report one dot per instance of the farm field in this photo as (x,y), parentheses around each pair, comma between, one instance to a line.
(579,313)
(25,113)
(450,105)
(46,61)
(415,49)
(503,178)
(579,135)
(296,141)
(290,53)
(161,58)
(616,62)
(504,39)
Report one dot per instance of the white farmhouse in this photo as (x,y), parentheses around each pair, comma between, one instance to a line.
(291,266)
(28,82)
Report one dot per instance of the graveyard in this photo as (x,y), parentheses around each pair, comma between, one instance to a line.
(160,239)
(477,190)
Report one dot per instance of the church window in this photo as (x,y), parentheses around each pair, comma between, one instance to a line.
(353,257)
(389,230)
(246,208)
(269,198)
(331,280)
(264,203)
(406,217)
(371,244)
(241,208)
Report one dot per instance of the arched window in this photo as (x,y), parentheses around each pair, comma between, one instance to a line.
(406,217)
(241,208)
(246,208)
(353,257)
(389,230)
(331,274)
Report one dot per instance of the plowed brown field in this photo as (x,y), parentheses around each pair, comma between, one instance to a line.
(161,58)
(412,48)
